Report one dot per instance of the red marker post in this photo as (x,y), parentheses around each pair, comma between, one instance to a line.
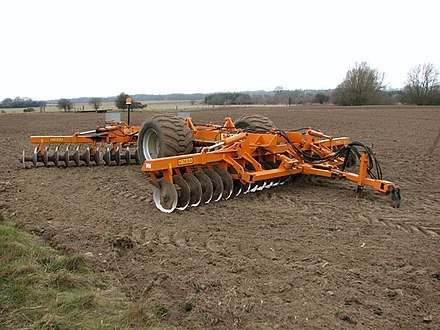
(128,104)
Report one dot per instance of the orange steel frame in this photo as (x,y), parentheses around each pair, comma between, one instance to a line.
(237,148)
(116,133)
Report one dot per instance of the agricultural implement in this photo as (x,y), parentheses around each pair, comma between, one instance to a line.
(191,164)
(115,143)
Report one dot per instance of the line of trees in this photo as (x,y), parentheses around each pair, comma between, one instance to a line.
(275,97)
(228,98)
(21,102)
(96,103)
(364,85)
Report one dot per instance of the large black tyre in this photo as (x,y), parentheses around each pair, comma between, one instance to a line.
(254,122)
(164,135)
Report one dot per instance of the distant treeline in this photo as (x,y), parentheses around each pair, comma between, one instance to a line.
(144,97)
(21,102)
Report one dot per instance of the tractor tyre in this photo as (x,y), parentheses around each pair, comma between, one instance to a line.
(254,122)
(164,135)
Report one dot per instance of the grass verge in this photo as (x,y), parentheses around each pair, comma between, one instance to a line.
(42,289)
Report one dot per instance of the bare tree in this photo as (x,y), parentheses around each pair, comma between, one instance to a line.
(422,85)
(65,104)
(96,103)
(362,85)
(278,90)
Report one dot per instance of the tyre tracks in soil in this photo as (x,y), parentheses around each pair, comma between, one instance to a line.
(283,198)
(284,201)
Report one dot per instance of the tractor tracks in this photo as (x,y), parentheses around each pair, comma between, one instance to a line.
(282,200)
(394,223)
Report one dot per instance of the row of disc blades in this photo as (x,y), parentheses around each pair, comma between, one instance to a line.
(204,187)
(77,156)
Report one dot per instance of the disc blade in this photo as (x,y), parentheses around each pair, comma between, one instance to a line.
(97,157)
(45,157)
(107,156)
(56,157)
(35,157)
(127,156)
(238,188)
(86,156)
(195,189)
(118,156)
(207,188)
(228,183)
(77,157)
(284,180)
(262,186)
(183,192)
(66,157)
(247,188)
(217,184)
(254,187)
(165,197)
(269,184)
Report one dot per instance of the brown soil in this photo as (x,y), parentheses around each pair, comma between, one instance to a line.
(308,254)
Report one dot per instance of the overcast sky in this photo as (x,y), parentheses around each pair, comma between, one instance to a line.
(65,49)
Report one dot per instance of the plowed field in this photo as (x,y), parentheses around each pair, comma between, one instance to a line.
(307,254)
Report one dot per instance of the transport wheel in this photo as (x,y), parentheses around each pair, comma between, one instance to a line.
(254,122)
(217,184)
(165,197)
(183,192)
(207,188)
(228,183)
(195,189)
(164,135)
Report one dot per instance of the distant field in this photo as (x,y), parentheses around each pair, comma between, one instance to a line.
(151,105)
(178,105)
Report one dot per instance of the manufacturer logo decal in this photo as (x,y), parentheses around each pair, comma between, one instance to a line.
(185,161)
(56,139)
